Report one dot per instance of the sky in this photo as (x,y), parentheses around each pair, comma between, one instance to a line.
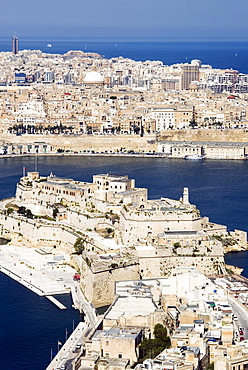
(185,19)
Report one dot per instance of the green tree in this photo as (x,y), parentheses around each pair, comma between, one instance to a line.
(29,213)
(9,211)
(160,332)
(150,348)
(78,246)
(109,230)
(193,123)
(210,366)
(22,210)
(55,212)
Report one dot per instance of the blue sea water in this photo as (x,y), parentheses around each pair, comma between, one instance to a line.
(30,325)
(219,54)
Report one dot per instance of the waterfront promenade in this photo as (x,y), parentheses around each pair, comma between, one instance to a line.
(38,272)
(71,349)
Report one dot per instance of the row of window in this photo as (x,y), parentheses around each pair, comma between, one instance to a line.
(58,191)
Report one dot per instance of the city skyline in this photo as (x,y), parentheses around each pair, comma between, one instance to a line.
(177,19)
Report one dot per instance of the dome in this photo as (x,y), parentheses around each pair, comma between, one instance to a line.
(93,77)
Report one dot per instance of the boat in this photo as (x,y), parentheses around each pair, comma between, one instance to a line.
(193,156)
(49,45)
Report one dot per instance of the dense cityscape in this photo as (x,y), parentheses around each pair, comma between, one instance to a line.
(82,92)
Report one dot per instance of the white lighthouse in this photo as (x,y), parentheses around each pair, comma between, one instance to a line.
(185,195)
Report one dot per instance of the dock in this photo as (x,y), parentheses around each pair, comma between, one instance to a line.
(56,302)
(22,281)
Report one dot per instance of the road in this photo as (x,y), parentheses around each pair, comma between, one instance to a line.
(242,314)
(68,352)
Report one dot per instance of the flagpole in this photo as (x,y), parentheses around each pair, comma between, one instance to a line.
(51,354)
(36,162)
(66,332)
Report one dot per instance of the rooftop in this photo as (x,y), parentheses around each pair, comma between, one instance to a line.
(131,306)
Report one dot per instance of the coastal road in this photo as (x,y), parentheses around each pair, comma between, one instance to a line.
(68,351)
(84,306)
(242,314)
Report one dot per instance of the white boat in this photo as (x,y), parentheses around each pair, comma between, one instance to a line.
(193,156)
(49,45)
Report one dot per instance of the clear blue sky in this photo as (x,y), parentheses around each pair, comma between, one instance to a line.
(124,18)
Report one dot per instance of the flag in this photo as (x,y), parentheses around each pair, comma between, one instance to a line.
(59,343)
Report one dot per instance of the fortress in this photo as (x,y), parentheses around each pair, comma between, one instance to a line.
(113,231)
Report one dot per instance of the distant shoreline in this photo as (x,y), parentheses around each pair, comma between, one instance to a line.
(143,155)
(125,155)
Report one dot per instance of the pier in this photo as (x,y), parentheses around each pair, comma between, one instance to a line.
(56,302)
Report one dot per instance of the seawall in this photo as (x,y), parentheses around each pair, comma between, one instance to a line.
(102,143)
(99,143)
(226,135)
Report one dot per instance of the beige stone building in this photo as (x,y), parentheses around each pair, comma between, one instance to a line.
(117,342)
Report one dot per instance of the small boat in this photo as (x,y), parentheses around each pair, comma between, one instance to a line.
(193,156)
(49,45)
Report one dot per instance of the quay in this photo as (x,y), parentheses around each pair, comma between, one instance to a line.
(32,270)
(70,349)
(56,302)
(22,281)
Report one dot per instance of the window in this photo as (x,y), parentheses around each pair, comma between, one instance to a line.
(120,355)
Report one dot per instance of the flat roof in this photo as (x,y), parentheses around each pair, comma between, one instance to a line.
(123,332)
(131,306)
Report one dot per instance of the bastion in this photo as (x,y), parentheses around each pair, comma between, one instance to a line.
(113,231)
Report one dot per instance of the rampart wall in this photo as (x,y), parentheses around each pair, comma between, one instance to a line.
(98,143)
(98,284)
(99,287)
(226,135)
(102,143)
(36,233)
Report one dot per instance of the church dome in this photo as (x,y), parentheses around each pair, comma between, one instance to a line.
(93,77)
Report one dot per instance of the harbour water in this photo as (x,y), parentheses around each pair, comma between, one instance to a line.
(30,325)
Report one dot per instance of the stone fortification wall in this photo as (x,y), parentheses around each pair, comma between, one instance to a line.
(87,221)
(154,223)
(147,143)
(99,287)
(163,266)
(227,135)
(98,143)
(37,234)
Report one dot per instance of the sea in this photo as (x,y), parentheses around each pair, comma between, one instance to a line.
(218,53)
(31,326)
